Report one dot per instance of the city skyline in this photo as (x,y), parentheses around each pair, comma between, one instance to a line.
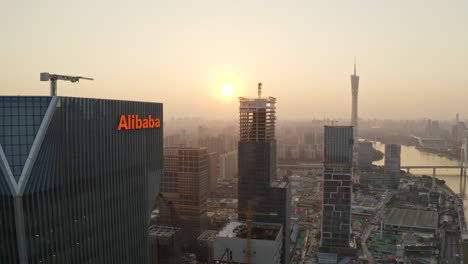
(411,53)
(214,132)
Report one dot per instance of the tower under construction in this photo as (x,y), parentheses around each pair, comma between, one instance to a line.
(258,181)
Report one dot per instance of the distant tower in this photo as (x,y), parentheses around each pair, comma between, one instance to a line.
(354,114)
(392,170)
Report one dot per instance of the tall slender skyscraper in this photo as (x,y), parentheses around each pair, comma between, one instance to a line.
(337,188)
(354,114)
(257,166)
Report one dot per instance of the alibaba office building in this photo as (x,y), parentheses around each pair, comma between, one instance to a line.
(77,181)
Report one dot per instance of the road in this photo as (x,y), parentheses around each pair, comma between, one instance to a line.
(450,250)
(451,242)
(380,211)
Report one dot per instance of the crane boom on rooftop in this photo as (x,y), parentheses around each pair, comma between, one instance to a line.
(45,76)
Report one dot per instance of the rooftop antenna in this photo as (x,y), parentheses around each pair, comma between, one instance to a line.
(45,76)
(259,90)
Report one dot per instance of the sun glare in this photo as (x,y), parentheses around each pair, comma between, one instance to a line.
(227,90)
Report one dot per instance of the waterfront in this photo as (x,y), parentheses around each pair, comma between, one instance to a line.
(411,156)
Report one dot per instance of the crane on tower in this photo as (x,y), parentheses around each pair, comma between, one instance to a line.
(45,76)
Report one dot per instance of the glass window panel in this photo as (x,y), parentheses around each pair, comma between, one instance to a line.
(22,120)
(14,130)
(7,120)
(15,149)
(15,140)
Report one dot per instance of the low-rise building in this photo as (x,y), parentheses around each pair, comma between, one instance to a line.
(231,243)
(414,220)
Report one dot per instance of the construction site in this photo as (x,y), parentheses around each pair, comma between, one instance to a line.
(419,222)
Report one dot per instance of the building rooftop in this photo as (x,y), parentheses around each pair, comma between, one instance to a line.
(278,183)
(262,231)
(411,218)
(207,235)
(163,231)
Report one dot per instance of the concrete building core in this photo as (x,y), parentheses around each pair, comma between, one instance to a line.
(257,119)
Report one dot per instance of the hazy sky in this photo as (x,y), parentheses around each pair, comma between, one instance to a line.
(412,55)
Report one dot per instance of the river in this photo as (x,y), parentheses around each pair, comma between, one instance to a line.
(411,156)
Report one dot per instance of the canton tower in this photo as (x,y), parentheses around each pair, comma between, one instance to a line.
(354,114)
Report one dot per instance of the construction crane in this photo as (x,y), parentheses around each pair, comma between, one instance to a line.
(249,219)
(45,76)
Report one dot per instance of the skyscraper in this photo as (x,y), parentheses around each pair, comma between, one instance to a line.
(392,172)
(337,188)
(354,114)
(77,179)
(258,181)
(185,185)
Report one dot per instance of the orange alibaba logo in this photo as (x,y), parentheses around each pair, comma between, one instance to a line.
(128,122)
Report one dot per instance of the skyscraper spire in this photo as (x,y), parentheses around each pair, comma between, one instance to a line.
(354,66)
(259,90)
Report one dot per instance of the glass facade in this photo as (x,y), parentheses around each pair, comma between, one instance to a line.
(392,171)
(257,169)
(20,119)
(90,187)
(338,145)
(337,188)
(8,242)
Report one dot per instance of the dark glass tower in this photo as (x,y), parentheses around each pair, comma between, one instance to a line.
(337,188)
(74,188)
(257,167)
(392,172)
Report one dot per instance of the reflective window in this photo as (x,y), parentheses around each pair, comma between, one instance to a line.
(20,119)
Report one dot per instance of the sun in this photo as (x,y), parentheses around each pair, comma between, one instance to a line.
(227,90)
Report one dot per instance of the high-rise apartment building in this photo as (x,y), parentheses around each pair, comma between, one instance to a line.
(78,179)
(185,185)
(220,144)
(228,165)
(392,171)
(258,181)
(337,187)
(213,168)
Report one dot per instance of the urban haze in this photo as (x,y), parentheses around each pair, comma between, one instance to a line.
(250,132)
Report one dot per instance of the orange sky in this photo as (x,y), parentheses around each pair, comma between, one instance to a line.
(412,55)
